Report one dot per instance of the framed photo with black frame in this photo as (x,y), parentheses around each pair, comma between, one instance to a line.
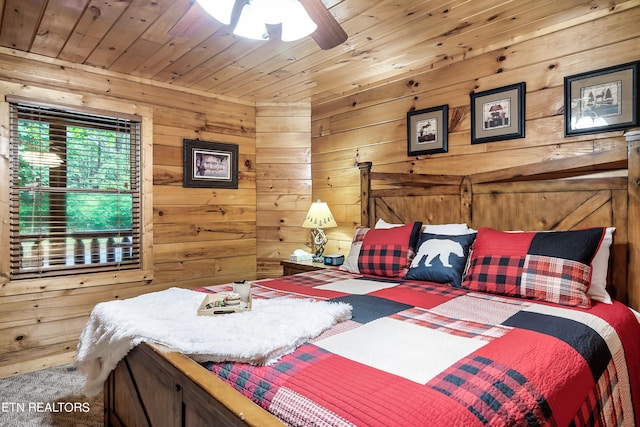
(427,131)
(210,164)
(498,114)
(602,100)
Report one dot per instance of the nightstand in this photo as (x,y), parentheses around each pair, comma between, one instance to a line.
(295,267)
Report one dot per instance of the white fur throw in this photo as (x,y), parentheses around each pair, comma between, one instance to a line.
(273,328)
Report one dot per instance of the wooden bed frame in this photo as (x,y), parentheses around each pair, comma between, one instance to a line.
(154,387)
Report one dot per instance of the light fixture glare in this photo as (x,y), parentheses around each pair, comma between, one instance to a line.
(296,23)
(251,25)
(42,158)
(257,14)
(271,11)
(220,9)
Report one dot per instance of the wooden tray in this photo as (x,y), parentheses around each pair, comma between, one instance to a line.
(214,311)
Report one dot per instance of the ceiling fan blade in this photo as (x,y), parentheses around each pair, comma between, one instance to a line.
(329,33)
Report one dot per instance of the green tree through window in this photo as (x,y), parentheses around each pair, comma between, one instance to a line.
(76,178)
(91,155)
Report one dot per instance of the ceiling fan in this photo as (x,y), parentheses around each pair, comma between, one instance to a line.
(327,34)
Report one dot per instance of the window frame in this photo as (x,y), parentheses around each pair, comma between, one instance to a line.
(74,279)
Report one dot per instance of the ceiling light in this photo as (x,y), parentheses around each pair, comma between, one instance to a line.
(220,9)
(257,14)
(251,24)
(272,11)
(296,23)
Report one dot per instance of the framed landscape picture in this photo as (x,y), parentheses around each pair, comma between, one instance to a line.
(427,131)
(210,164)
(601,101)
(498,114)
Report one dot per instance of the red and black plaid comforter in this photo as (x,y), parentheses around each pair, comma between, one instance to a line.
(423,354)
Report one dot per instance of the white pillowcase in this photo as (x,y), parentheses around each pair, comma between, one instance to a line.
(384,224)
(448,229)
(350,263)
(442,229)
(599,269)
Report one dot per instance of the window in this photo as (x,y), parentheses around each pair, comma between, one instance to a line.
(75,191)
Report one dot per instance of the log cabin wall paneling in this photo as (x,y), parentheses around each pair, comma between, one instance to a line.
(200,236)
(283,168)
(370,125)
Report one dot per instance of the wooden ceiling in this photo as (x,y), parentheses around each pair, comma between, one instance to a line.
(176,42)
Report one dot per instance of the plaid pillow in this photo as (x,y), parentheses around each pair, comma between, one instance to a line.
(382,252)
(550,266)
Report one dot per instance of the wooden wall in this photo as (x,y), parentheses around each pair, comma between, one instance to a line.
(200,236)
(370,125)
(291,155)
(283,167)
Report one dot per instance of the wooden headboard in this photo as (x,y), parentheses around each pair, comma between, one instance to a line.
(599,189)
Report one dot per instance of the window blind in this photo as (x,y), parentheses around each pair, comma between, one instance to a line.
(75,191)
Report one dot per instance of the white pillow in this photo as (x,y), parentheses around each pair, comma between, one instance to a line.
(384,224)
(599,269)
(447,229)
(350,263)
(442,229)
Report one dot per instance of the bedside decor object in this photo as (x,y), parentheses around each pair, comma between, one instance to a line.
(427,131)
(601,101)
(243,288)
(334,259)
(318,218)
(210,164)
(498,114)
(223,303)
(300,255)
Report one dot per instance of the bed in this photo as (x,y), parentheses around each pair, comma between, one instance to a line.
(420,352)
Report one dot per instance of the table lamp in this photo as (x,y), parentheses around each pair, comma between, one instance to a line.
(318,218)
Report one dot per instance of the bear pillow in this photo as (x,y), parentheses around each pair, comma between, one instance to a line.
(440,258)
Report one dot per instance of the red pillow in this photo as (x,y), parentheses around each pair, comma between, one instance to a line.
(548,266)
(382,252)
(388,252)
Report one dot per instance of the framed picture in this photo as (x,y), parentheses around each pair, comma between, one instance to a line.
(427,131)
(210,164)
(602,100)
(498,114)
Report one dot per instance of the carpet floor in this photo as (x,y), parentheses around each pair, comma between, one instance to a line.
(50,397)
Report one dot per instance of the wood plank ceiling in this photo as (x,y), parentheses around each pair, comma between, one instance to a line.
(388,40)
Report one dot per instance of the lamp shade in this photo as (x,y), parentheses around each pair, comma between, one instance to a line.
(296,23)
(251,24)
(220,9)
(257,14)
(319,216)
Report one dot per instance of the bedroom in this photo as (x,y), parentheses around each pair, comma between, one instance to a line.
(204,236)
